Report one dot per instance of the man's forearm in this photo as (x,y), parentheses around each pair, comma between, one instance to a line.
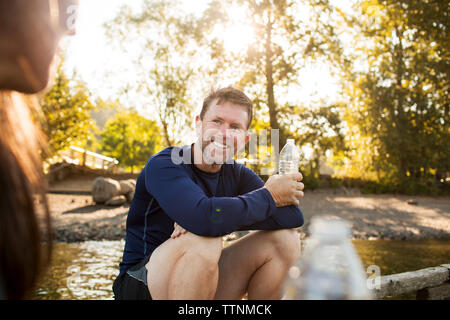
(284,218)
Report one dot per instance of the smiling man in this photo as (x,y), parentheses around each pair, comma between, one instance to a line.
(188,197)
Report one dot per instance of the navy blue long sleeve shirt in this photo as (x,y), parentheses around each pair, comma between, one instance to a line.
(206,204)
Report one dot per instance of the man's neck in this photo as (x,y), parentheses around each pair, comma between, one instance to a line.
(199,160)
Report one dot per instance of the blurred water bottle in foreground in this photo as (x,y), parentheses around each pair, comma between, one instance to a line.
(330,268)
(289,158)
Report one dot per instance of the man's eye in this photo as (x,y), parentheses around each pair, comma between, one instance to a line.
(235,128)
(216,121)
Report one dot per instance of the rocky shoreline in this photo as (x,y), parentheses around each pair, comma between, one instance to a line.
(77,218)
(87,232)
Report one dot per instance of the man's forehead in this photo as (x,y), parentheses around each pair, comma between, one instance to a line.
(229,111)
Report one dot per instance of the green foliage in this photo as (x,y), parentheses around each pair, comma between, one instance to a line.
(130,138)
(399,117)
(310,179)
(105,110)
(66,107)
(322,130)
(423,187)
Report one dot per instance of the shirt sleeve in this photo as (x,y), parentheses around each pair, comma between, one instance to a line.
(187,204)
(282,218)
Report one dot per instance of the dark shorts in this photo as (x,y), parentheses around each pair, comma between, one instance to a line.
(132,284)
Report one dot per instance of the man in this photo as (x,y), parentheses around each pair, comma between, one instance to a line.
(187,198)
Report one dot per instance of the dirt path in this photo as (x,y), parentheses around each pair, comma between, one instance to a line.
(384,216)
(76,218)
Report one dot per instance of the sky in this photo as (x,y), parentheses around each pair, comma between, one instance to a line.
(105,70)
(96,61)
(89,51)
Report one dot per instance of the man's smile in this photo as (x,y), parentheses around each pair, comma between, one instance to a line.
(219,145)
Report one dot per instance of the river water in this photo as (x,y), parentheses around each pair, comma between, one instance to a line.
(86,270)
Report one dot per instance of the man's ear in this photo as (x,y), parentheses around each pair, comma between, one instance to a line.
(247,137)
(198,125)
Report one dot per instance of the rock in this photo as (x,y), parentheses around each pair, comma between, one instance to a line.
(104,189)
(117,233)
(130,196)
(412,202)
(133,182)
(126,186)
(116,201)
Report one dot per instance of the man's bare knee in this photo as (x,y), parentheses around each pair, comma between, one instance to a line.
(208,249)
(286,243)
(187,254)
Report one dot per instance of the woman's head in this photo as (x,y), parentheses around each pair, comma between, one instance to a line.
(29,36)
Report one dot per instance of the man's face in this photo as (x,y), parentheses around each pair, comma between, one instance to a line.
(222,132)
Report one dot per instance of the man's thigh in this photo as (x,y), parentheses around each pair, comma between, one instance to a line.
(165,257)
(160,265)
(239,261)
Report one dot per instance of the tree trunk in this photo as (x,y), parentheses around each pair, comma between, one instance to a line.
(269,88)
(400,95)
(166,135)
(165,129)
(269,78)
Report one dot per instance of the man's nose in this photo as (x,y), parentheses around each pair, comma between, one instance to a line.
(229,136)
(224,131)
(223,135)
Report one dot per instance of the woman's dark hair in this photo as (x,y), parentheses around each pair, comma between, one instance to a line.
(29,35)
(22,254)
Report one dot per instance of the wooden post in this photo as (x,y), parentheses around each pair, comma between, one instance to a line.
(441,292)
(397,284)
(83,161)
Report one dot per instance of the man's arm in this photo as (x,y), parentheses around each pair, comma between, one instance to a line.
(283,217)
(186,203)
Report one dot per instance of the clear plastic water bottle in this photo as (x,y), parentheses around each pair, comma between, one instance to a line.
(330,268)
(289,158)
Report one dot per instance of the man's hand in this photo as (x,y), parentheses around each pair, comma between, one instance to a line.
(177,231)
(285,189)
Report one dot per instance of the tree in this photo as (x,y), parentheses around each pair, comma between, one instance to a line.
(170,96)
(105,110)
(165,75)
(283,44)
(66,107)
(130,138)
(400,111)
(322,131)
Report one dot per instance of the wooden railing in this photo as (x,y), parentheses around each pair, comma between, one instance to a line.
(81,157)
(430,283)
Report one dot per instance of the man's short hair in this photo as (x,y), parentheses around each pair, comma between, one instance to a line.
(228,94)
